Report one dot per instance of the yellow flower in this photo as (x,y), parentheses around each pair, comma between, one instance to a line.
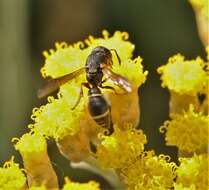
(33,149)
(184,79)
(133,70)
(56,119)
(189,131)
(12,177)
(80,186)
(183,76)
(68,58)
(194,172)
(121,148)
(149,172)
(202,6)
(129,111)
(30,143)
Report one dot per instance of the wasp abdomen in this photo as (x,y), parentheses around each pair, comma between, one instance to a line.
(100,111)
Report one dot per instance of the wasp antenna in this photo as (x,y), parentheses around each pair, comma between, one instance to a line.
(119,60)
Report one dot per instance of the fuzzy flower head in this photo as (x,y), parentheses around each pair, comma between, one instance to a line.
(67,58)
(33,149)
(201,6)
(149,172)
(12,177)
(193,172)
(56,119)
(189,132)
(133,70)
(121,148)
(69,185)
(183,76)
(30,143)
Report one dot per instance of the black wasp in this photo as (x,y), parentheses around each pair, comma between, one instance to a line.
(98,70)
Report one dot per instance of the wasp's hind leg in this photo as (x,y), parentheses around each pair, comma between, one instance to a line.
(84,84)
(109,88)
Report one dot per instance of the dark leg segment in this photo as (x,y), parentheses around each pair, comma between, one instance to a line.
(84,84)
(109,88)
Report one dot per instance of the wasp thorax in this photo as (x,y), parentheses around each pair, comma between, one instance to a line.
(94,91)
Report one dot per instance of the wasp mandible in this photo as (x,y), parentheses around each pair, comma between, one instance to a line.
(98,70)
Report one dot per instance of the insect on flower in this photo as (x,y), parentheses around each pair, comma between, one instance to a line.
(98,70)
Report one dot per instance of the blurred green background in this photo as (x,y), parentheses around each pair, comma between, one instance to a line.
(158,28)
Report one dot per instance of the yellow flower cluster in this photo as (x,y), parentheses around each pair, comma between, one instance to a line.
(186,79)
(122,151)
(188,128)
(56,119)
(68,58)
(149,172)
(188,131)
(202,6)
(73,129)
(33,149)
(30,143)
(193,172)
(12,177)
(183,76)
(121,148)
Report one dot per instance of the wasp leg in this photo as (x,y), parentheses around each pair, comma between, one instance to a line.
(84,84)
(119,60)
(109,88)
(105,80)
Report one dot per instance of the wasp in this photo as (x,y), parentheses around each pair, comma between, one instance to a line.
(98,71)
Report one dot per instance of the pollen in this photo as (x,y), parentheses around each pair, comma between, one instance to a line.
(183,76)
(121,148)
(188,131)
(12,177)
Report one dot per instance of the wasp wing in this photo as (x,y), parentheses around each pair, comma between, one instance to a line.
(53,84)
(117,79)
